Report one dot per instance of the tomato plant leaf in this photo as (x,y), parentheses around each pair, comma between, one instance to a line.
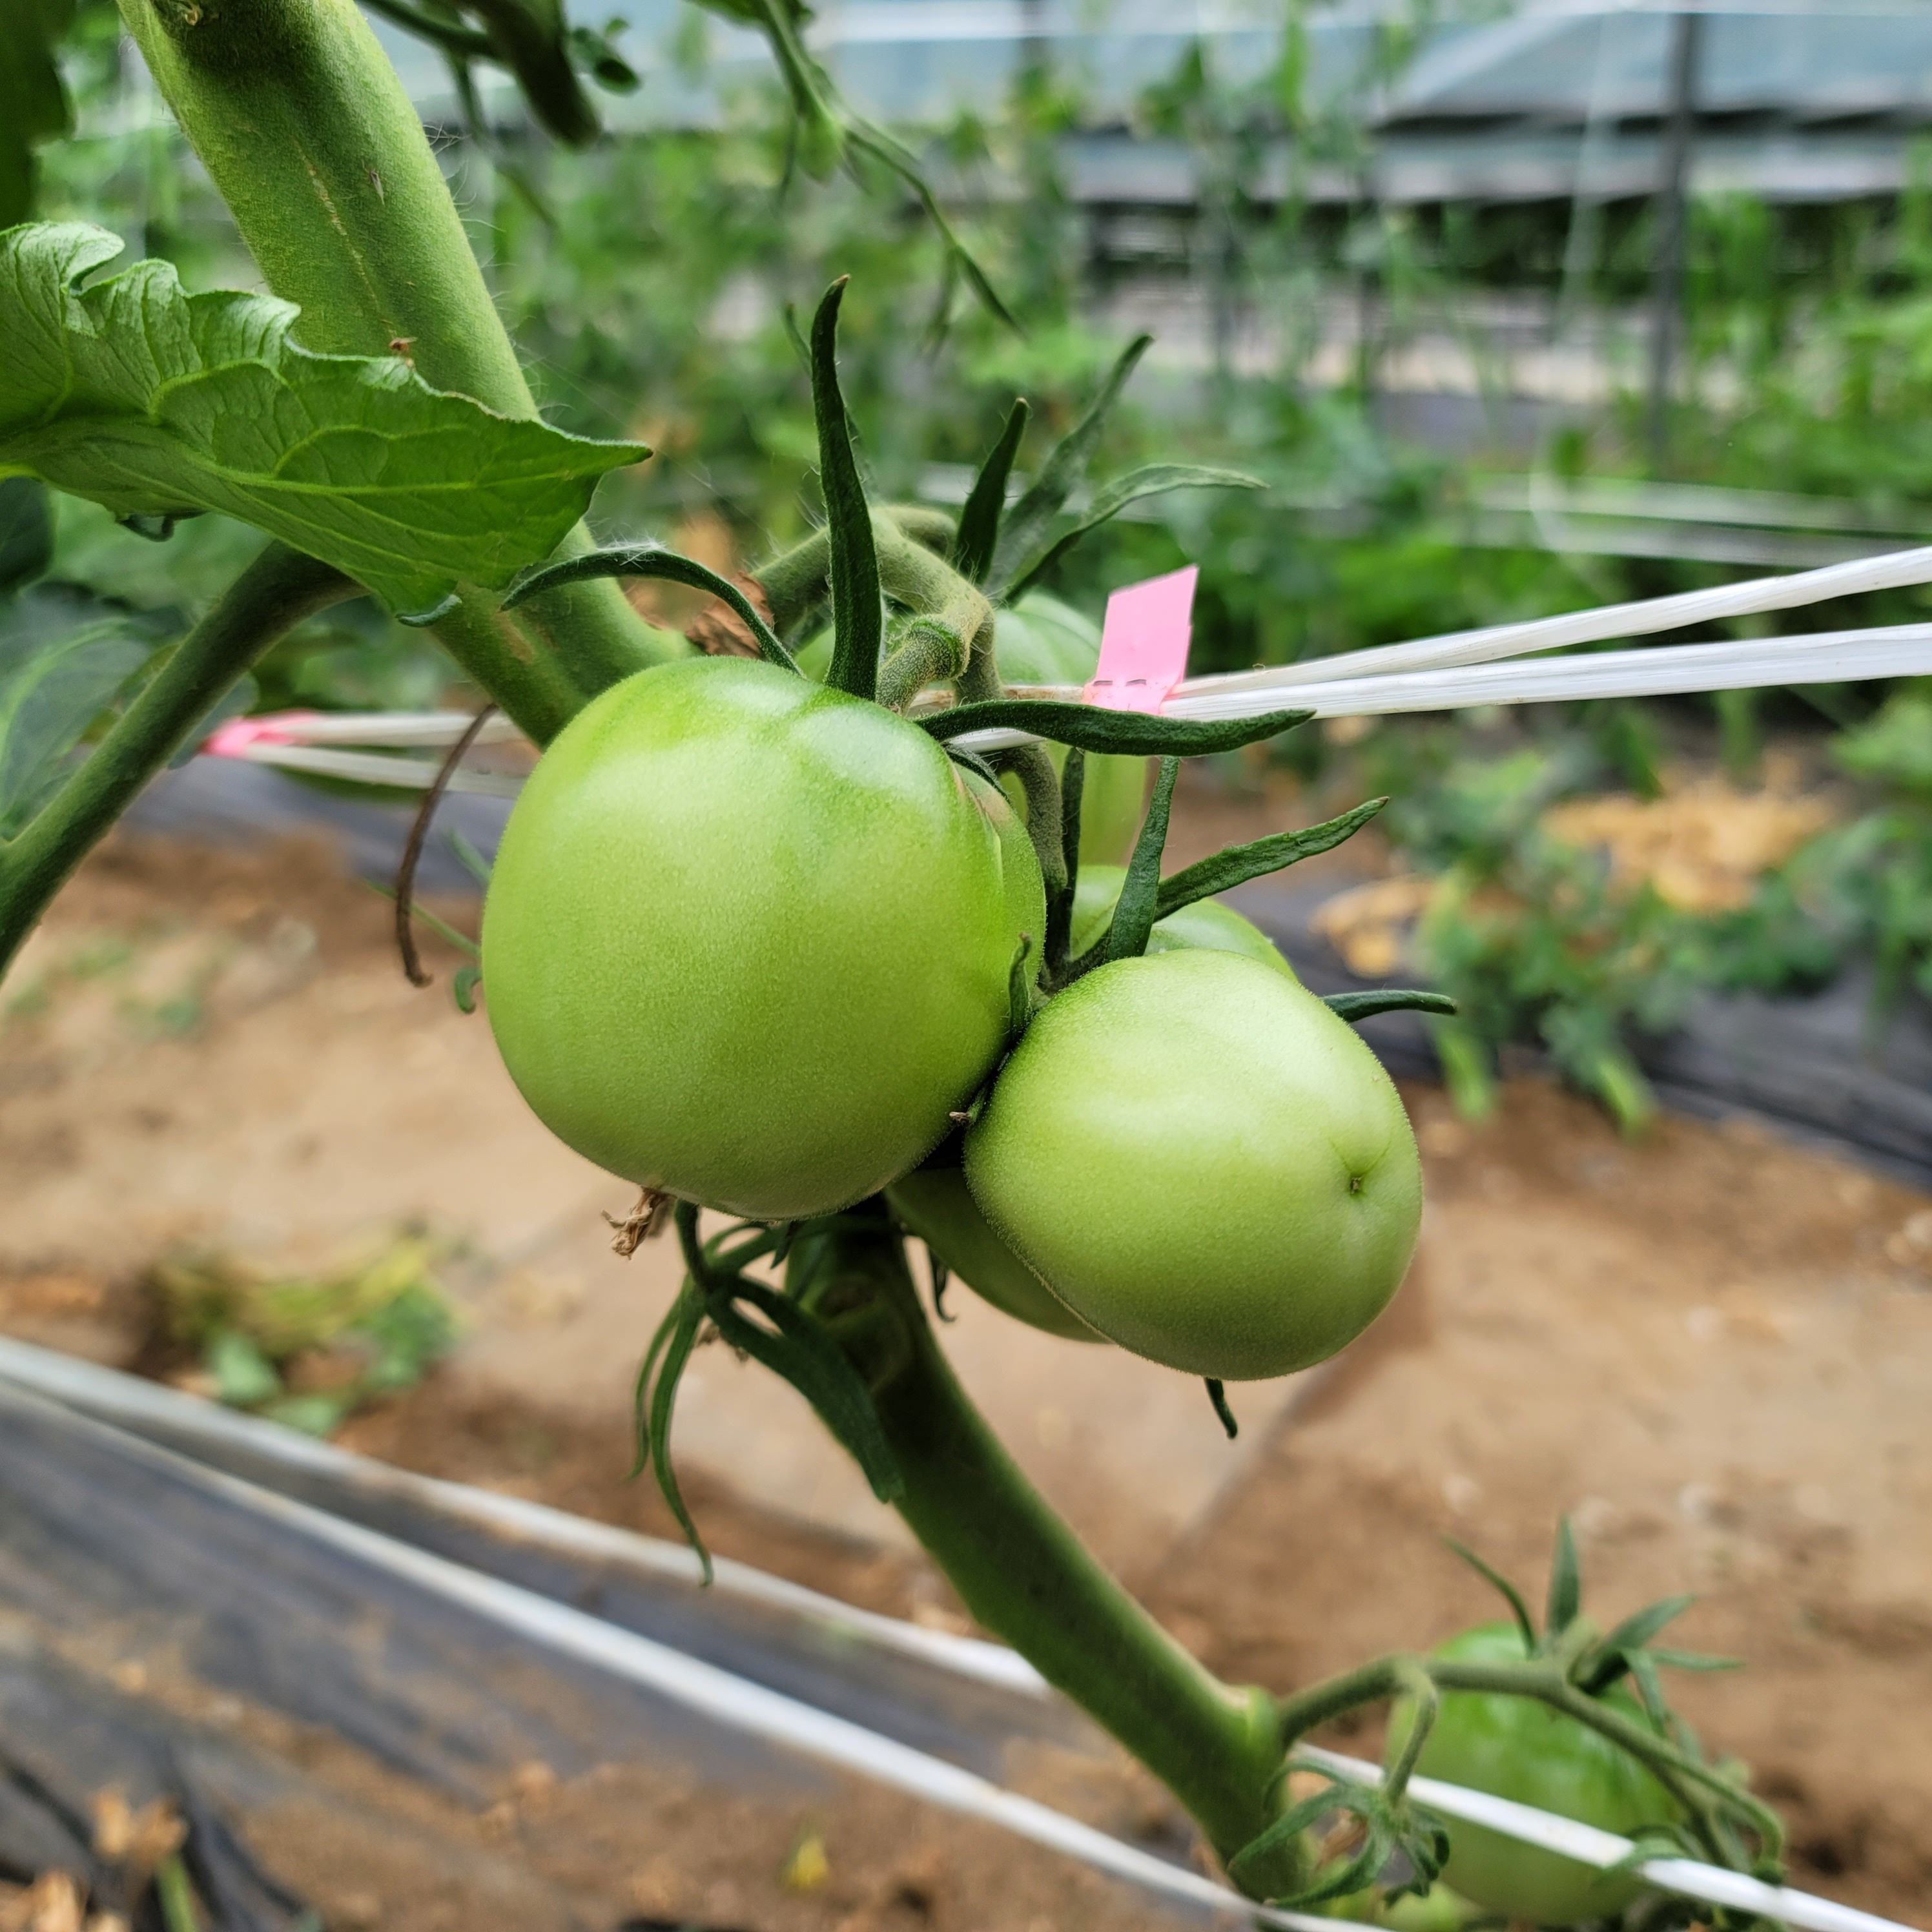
(1092,728)
(1025,525)
(651,559)
(158,403)
(26,531)
(858,610)
(1511,1595)
(1155,479)
(1238,864)
(979,533)
(61,661)
(1134,911)
(1355,1007)
(670,1352)
(1566,1582)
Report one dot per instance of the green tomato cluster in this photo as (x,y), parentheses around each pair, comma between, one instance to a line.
(753,943)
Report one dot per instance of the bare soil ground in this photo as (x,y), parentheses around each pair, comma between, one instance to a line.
(1714,1350)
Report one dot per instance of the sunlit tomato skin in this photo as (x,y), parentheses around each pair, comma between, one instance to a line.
(748,940)
(1200,1160)
(1206,925)
(933,1203)
(1515,1747)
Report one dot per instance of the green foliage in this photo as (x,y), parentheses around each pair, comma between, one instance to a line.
(309,1351)
(158,404)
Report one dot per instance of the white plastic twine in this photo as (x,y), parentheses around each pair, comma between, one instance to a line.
(1454,671)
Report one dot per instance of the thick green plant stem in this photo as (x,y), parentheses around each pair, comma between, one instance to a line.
(273,594)
(308,134)
(1024,1574)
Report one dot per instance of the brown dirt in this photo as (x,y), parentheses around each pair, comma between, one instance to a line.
(1714,1350)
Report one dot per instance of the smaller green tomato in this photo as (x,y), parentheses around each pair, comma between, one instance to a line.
(1202,1160)
(934,1204)
(1206,925)
(1515,1747)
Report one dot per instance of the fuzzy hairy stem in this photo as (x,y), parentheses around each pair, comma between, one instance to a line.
(276,592)
(310,139)
(1021,1571)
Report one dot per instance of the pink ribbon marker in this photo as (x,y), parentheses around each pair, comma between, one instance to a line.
(1144,642)
(239,735)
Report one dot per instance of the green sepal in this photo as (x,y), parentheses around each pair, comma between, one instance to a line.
(1275,853)
(1093,728)
(462,988)
(1691,1660)
(1135,910)
(1025,525)
(1566,1583)
(651,559)
(1060,902)
(1156,479)
(1388,1828)
(858,611)
(797,1349)
(1511,1595)
(979,533)
(973,763)
(657,1380)
(1354,1007)
(1019,990)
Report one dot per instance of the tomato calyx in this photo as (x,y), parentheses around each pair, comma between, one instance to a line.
(1567,1665)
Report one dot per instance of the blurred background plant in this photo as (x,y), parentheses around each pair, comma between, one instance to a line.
(1456,395)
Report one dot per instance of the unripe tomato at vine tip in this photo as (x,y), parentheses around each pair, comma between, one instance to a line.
(1200,1159)
(748,940)
(934,1204)
(1516,1748)
(1206,925)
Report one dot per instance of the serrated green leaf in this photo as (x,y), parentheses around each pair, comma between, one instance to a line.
(1094,728)
(1156,479)
(1238,864)
(62,658)
(157,403)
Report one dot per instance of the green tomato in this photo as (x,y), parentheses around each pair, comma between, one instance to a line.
(1041,641)
(748,940)
(933,1203)
(1200,1159)
(1515,1747)
(1206,925)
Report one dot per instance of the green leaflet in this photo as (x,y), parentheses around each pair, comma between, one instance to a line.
(979,533)
(1355,1007)
(158,403)
(1092,728)
(57,671)
(1239,863)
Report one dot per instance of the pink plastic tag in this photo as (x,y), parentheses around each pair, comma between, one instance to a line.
(1144,642)
(238,736)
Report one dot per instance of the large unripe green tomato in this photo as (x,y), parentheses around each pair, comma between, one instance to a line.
(1515,1747)
(933,1203)
(1041,641)
(748,940)
(1200,1159)
(1206,925)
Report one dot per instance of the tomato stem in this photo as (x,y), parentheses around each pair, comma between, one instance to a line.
(276,592)
(1024,1576)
